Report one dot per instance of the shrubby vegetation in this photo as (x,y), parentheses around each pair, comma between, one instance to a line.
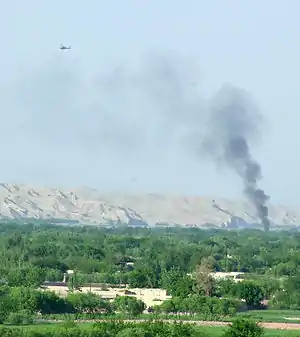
(239,328)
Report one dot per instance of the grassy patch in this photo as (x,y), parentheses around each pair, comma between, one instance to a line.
(280,316)
(219,331)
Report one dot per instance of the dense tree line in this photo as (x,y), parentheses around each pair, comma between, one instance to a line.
(179,260)
(100,253)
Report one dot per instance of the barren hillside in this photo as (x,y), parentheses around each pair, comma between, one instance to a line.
(90,206)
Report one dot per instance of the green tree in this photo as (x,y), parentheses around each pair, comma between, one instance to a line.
(292,284)
(138,278)
(244,328)
(204,280)
(252,293)
(24,298)
(5,304)
(26,277)
(73,282)
(129,305)
(50,303)
(226,287)
(176,283)
(170,306)
(88,303)
(283,300)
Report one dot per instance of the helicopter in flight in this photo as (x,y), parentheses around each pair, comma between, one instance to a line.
(62,47)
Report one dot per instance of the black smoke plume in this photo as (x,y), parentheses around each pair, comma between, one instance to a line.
(136,114)
(233,123)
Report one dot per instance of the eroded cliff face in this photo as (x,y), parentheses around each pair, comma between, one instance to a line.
(43,203)
(92,207)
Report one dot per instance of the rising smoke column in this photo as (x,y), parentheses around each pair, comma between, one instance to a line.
(233,124)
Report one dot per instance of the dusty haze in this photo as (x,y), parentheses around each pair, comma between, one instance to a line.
(44,120)
(143,112)
(155,107)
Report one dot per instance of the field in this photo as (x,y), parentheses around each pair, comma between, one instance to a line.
(281,316)
(219,331)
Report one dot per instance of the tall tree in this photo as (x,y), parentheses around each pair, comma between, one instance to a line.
(204,280)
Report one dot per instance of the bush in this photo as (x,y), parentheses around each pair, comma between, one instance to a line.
(131,332)
(244,328)
(22,317)
(129,306)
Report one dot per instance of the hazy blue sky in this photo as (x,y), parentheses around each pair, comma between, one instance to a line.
(82,117)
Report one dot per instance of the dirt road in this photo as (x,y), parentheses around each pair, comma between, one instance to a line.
(267,325)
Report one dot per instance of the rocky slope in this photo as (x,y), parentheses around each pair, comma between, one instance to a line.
(91,207)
